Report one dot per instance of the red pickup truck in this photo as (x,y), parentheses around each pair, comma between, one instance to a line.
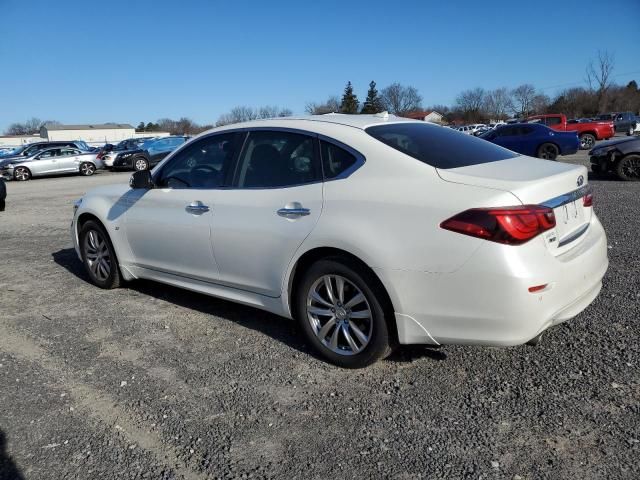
(588,132)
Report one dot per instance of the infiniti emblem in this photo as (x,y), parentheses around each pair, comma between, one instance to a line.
(580,180)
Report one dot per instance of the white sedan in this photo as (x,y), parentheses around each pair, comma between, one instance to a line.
(369,230)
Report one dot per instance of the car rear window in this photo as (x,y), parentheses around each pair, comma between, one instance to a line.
(438,146)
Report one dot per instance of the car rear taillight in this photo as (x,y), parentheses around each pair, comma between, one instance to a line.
(100,155)
(508,225)
(587,200)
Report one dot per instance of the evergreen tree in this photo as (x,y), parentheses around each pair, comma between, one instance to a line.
(140,127)
(373,103)
(349,102)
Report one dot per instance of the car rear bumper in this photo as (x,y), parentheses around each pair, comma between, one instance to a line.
(487,300)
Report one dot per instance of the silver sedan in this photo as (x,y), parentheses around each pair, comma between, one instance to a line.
(52,161)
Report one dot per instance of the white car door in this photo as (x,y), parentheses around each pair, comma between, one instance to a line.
(274,204)
(169,227)
(46,162)
(69,160)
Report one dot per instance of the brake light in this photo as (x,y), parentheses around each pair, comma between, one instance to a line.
(587,200)
(100,155)
(508,225)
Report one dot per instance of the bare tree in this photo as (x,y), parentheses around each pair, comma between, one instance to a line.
(399,99)
(30,127)
(523,100)
(244,114)
(332,105)
(471,103)
(539,103)
(497,103)
(599,76)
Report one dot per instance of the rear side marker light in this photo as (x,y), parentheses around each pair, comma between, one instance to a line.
(537,288)
(507,225)
(587,200)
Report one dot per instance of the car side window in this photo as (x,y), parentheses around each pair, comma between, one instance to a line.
(278,159)
(203,164)
(335,160)
(55,152)
(67,151)
(505,132)
(552,120)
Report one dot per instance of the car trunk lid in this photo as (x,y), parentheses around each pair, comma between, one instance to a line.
(560,186)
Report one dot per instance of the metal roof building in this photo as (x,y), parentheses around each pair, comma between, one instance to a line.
(90,133)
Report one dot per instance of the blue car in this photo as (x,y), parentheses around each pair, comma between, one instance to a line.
(534,140)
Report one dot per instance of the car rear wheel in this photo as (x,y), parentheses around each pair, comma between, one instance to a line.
(87,169)
(140,164)
(587,141)
(548,151)
(630,131)
(340,310)
(22,174)
(628,168)
(98,256)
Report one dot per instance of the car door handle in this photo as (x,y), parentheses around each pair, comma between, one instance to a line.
(293,210)
(197,208)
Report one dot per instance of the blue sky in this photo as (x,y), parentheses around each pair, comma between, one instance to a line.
(89,61)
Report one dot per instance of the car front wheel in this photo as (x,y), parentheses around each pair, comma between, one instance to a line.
(21,174)
(140,164)
(628,168)
(340,310)
(98,256)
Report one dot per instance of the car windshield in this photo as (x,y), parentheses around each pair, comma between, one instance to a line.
(123,145)
(437,146)
(83,145)
(15,151)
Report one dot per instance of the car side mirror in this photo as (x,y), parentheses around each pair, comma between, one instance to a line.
(141,179)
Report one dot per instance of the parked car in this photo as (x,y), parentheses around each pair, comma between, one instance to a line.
(3,194)
(145,156)
(620,156)
(470,129)
(534,139)
(626,122)
(637,130)
(587,132)
(52,161)
(29,149)
(481,131)
(370,230)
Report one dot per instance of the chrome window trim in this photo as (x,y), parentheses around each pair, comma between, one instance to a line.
(567,197)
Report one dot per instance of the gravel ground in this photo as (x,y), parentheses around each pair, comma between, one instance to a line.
(153,382)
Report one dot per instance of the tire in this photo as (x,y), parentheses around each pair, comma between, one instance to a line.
(630,131)
(368,332)
(628,168)
(140,163)
(596,169)
(548,151)
(87,169)
(22,174)
(587,141)
(95,246)
(535,340)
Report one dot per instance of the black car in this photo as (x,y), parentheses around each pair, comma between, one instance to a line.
(145,156)
(623,122)
(620,156)
(31,148)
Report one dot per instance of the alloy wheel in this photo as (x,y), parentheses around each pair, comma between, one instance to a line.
(21,174)
(141,164)
(87,169)
(97,255)
(631,167)
(339,315)
(549,152)
(586,142)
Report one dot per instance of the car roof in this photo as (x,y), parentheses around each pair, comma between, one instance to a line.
(304,122)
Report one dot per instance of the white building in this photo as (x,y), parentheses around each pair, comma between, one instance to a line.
(18,140)
(98,133)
